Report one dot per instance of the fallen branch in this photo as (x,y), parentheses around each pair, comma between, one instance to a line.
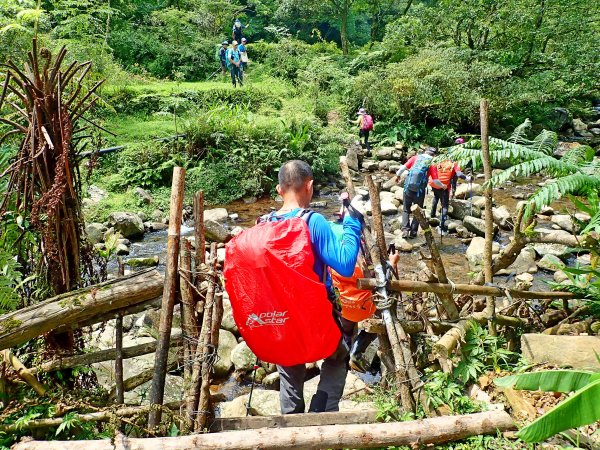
(20,326)
(419,432)
(23,372)
(441,288)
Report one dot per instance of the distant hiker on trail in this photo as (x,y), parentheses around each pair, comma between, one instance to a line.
(448,171)
(419,171)
(233,64)
(237,32)
(243,54)
(357,305)
(365,126)
(223,56)
(281,291)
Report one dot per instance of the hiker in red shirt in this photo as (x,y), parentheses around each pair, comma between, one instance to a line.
(420,170)
(446,171)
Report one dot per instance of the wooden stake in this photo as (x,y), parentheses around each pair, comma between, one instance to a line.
(489,219)
(120,397)
(199,230)
(440,271)
(170,292)
(208,353)
(188,308)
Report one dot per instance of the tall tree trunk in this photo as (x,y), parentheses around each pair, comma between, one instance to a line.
(344,13)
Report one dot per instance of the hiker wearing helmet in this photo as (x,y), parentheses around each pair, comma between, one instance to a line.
(447,171)
(420,170)
(237,32)
(223,56)
(233,64)
(243,54)
(365,125)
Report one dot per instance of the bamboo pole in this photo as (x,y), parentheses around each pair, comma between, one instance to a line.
(488,273)
(440,270)
(471,289)
(120,397)
(425,432)
(199,230)
(78,306)
(402,355)
(169,294)
(24,373)
(209,350)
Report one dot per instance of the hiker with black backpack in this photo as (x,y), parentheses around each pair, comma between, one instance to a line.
(365,126)
(420,170)
(282,298)
(223,57)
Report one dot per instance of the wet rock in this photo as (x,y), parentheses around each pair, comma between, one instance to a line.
(477,226)
(402,245)
(560,276)
(122,250)
(264,403)
(564,221)
(143,195)
(216,214)
(214,231)
(242,357)
(228,323)
(525,262)
(574,351)
(370,165)
(130,225)
(562,251)
(155,226)
(95,232)
(459,209)
(550,263)
(352,158)
(227,342)
(272,381)
(503,218)
(475,250)
(463,190)
(463,233)
(234,216)
(546,211)
(158,216)
(150,261)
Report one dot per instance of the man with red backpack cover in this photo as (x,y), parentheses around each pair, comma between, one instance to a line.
(283,302)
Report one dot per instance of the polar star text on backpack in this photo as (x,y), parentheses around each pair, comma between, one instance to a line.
(280,306)
(416,180)
(367,123)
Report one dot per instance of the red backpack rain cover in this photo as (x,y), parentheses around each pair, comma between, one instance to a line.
(279,305)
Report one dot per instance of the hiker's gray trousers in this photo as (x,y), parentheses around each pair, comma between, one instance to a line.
(329,390)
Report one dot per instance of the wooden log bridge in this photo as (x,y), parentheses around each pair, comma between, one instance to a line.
(20,326)
(472,289)
(418,432)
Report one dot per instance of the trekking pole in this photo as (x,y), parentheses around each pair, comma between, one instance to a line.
(213,74)
(256,366)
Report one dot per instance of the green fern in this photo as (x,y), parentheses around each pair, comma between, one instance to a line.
(10,277)
(577,173)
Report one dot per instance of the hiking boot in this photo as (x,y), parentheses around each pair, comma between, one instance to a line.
(405,234)
(358,363)
(413,234)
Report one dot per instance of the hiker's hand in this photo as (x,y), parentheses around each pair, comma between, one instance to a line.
(397,179)
(356,209)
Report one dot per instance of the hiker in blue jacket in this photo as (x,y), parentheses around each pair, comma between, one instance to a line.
(296,188)
(233,64)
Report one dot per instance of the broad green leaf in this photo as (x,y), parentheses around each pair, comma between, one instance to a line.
(582,408)
(549,380)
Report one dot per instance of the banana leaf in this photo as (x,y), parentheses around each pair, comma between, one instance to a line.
(550,380)
(582,408)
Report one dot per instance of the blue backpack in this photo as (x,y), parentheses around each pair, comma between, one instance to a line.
(416,180)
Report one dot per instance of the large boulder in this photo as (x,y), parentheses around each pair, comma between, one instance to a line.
(143,195)
(477,226)
(130,225)
(385,153)
(550,263)
(475,253)
(525,263)
(272,381)
(215,232)
(560,250)
(352,158)
(95,232)
(578,352)
(468,190)
(264,403)
(579,126)
(227,342)
(502,217)
(216,214)
(242,357)
(370,165)
(459,209)
(228,323)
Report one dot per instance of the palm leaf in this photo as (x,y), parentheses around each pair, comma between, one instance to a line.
(582,408)
(548,380)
